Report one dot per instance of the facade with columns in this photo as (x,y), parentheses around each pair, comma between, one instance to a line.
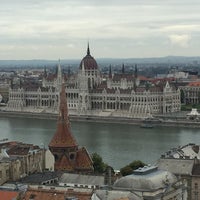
(37,98)
(120,95)
(191,93)
(88,93)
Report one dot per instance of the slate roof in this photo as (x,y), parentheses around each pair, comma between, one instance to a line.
(176,166)
(116,195)
(81,179)
(40,178)
(189,151)
(151,181)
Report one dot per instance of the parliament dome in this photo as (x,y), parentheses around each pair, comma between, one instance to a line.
(88,61)
(146,179)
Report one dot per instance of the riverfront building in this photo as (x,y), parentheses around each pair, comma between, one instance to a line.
(91,93)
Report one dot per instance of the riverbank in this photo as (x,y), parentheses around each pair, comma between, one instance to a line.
(168,121)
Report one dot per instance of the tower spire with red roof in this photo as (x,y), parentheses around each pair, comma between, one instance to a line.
(68,157)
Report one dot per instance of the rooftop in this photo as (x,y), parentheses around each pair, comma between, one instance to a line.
(146,179)
(189,151)
(8,195)
(51,193)
(41,178)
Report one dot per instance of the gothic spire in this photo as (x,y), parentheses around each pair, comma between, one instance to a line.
(110,72)
(123,69)
(63,110)
(135,77)
(45,72)
(88,50)
(136,71)
(63,137)
(69,71)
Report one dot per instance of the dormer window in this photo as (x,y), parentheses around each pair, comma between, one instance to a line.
(72,156)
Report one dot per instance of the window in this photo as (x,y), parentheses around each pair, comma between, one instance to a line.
(7,173)
(196,186)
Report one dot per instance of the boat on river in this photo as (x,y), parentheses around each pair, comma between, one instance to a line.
(146,125)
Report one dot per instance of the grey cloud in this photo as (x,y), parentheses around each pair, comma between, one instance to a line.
(139,22)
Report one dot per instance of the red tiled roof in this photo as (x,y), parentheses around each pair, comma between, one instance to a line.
(163,80)
(8,195)
(143,78)
(83,160)
(63,136)
(52,194)
(194,84)
(63,142)
(18,148)
(64,164)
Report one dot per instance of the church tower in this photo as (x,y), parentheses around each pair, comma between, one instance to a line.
(68,156)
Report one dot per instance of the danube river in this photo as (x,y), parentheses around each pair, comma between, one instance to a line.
(118,144)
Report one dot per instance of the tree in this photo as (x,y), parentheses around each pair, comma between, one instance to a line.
(98,164)
(136,164)
(128,169)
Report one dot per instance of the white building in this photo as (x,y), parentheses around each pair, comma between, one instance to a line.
(88,93)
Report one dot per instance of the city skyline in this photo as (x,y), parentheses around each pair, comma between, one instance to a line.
(115,29)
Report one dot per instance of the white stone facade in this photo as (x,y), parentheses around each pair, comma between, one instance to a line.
(88,93)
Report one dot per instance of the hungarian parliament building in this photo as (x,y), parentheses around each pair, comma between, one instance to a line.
(91,93)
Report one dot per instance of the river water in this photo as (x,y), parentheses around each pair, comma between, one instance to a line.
(118,144)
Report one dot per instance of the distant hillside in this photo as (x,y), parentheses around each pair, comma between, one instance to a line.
(102,61)
(164,60)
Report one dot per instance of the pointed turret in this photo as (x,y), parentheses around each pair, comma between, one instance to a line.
(88,50)
(123,68)
(110,72)
(59,77)
(135,77)
(136,72)
(63,137)
(45,72)
(68,157)
(69,71)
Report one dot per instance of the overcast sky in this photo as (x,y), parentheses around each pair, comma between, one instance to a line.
(53,29)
